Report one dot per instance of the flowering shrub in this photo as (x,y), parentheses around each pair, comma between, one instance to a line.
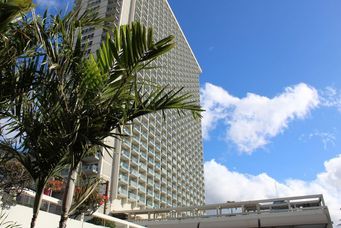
(104,199)
(93,201)
(55,185)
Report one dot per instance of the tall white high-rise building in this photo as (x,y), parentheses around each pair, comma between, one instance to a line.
(161,164)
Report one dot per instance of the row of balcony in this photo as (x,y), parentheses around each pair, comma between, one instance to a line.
(143,166)
(155,198)
(163,196)
(157,202)
(155,159)
(171,196)
(144,149)
(164,178)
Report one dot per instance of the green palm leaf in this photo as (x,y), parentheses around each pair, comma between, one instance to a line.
(66,103)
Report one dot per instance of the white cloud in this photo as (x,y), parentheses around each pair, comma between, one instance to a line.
(327,138)
(217,103)
(224,185)
(331,97)
(253,120)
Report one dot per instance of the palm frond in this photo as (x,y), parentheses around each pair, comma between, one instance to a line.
(9,10)
(86,187)
(66,102)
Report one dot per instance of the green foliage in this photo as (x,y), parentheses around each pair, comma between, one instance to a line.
(14,178)
(33,129)
(61,103)
(16,40)
(30,110)
(11,9)
(86,198)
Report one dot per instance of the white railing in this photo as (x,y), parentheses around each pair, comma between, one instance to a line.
(300,203)
(56,202)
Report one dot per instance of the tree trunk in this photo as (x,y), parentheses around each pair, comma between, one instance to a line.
(68,196)
(37,202)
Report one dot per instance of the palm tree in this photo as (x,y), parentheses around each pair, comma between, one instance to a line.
(75,101)
(30,131)
(111,93)
(15,39)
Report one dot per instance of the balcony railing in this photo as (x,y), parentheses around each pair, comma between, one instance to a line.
(123,177)
(134,172)
(150,193)
(157,186)
(143,166)
(125,153)
(150,182)
(125,166)
(135,149)
(144,134)
(143,177)
(133,183)
(157,176)
(135,160)
(144,145)
(142,199)
(132,196)
(151,160)
(151,172)
(143,155)
(137,128)
(122,191)
(152,152)
(150,204)
(142,189)
(126,142)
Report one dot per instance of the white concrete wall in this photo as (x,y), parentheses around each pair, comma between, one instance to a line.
(120,205)
(22,215)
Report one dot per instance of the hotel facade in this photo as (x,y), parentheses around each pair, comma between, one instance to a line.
(161,164)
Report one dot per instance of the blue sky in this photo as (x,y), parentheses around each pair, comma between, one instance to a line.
(271,86)
(284,137)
